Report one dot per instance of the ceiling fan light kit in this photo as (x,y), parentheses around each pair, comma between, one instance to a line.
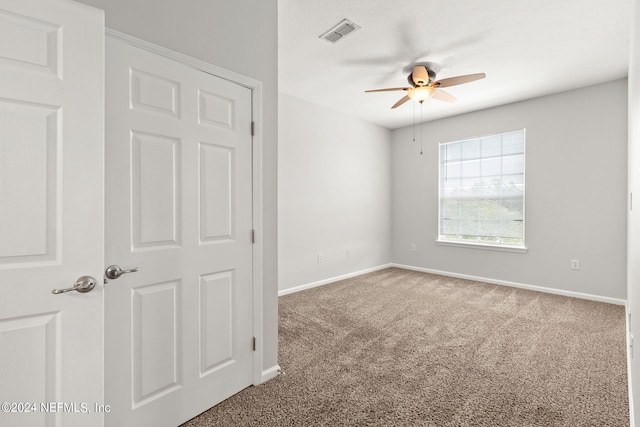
(421,93)
(425,86)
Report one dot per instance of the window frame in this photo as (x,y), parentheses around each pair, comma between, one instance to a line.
(498,246)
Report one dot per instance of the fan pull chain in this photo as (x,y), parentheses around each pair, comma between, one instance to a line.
(414,121)
(421,125)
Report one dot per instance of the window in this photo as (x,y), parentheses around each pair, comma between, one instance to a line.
(482,191)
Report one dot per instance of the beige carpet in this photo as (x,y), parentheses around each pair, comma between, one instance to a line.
(402,348)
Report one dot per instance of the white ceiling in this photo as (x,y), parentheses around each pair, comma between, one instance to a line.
(527,48)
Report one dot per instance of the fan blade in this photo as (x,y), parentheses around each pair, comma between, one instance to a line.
(402,101)
(388,89)
(441,95)
(452,81)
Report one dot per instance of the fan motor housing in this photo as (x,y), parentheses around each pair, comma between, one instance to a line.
(430,73)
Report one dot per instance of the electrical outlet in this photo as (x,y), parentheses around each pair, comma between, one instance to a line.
(319,257)
(413,247)
(575,264)
(348,253)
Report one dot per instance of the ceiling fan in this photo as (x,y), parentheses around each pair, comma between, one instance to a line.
(424,86)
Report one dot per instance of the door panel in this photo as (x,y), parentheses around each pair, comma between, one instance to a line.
(156,369)
(179,207)
(51,211)
(156,191)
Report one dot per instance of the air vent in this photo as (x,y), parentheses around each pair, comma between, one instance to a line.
(340,31)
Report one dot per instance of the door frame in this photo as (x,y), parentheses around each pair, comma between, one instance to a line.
(256,171)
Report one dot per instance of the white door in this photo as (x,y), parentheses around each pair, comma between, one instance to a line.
(51,212)
(179,208)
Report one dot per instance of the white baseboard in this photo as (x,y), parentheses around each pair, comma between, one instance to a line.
(331,280)
(547,290)
(580,295)
(271,373)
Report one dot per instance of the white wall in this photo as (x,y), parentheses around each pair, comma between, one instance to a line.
(633,254)
(241,36)
(576,178)
(334,194)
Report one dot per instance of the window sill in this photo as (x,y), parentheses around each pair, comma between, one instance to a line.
(489,247)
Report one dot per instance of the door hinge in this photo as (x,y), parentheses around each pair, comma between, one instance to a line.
(253,236)
(253,128)
(254,343)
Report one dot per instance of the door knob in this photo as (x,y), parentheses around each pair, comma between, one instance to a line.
(83,284)
(115,271)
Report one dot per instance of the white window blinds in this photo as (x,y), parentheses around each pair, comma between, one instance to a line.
(482,190)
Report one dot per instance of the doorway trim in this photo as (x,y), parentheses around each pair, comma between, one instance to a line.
(259,376)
